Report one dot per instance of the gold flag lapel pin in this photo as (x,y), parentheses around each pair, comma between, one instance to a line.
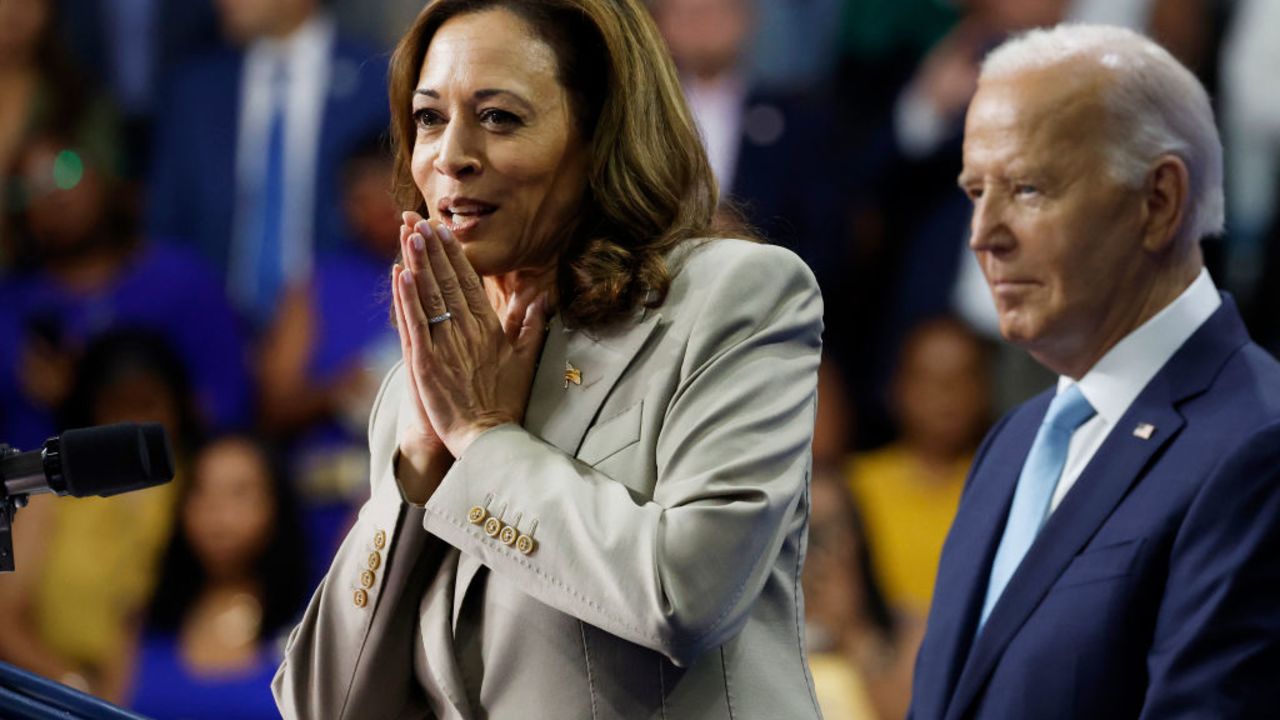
(571,375)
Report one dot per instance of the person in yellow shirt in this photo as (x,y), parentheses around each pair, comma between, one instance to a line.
(908,491)
(85,567)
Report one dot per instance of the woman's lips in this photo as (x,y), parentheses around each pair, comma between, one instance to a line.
(463,214)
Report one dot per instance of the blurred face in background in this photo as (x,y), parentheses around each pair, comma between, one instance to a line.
(22,23)
(497,157)
(370,207)
(1012,15)
(230,509)
(833,592)
(65,197)
(706,37)
(138,395)
(245,20)
(941,391)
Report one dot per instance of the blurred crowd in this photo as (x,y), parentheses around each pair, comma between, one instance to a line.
(197,230)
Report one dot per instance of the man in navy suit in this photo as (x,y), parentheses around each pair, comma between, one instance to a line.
(250,144)
(1117,545)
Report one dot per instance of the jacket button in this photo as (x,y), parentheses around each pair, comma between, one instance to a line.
(492,527)
(508,535)
(375,560)
(379,539)
(366,578)
(476,515)
(525,544)
(361,598)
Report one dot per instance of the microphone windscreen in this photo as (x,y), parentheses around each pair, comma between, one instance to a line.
(113,459)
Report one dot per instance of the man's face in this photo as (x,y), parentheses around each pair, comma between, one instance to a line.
(706,37)
(245,20)
(1058,238)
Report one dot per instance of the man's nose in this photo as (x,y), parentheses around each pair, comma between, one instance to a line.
(989,229)
(456,155)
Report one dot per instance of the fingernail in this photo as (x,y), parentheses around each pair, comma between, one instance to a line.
(445,233)
(406,277)
(404,217)
(423,228)
(419,243)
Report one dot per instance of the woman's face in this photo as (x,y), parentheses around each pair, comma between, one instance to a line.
(498,156)
(229,512)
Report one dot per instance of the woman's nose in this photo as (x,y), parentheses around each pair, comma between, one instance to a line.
(456,155)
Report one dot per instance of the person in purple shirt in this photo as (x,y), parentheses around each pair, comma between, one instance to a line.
(84,273)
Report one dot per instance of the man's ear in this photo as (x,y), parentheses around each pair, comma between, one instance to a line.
(1166,194)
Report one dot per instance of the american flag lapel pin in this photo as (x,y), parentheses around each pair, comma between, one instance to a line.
(1144,431)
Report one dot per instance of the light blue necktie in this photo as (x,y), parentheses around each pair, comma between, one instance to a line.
(1068,411)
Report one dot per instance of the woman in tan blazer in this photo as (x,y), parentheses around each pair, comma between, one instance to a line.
(590,474)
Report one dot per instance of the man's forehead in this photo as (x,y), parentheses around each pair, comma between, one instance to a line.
(1042,104)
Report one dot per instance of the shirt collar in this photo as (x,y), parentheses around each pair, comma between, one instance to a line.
(1115,381)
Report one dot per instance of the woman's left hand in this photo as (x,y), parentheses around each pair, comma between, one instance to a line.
(473,371)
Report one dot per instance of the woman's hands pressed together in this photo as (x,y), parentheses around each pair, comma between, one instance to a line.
(467,373)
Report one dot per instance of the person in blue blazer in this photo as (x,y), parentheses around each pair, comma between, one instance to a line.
(1117,545)
(291,70)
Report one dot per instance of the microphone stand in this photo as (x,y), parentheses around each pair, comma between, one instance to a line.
(9,505)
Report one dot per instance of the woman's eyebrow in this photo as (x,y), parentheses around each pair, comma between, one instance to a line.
(482,94)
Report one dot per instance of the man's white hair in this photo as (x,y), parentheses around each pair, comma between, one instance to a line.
(1160,108)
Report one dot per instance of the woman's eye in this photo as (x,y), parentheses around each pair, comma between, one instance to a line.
(499,118)
(426,118)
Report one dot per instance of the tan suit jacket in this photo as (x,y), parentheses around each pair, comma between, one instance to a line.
(666,495)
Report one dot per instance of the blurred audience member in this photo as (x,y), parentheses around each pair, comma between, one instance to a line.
(324,357)
(250,143)
(129,47)
(833,428)
(770,151)
(860,650)
(1250,105)
(43,92)
(231,584)
(87,565)
(88,272)
(909,490)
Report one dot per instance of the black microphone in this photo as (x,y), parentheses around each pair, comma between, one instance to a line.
(101,461)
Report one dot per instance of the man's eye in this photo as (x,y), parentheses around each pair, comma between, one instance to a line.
(499,118)
(1026,190)
(426,118)
(973,193)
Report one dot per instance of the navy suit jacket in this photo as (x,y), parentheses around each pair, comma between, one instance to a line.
(1150,591)
(193,179)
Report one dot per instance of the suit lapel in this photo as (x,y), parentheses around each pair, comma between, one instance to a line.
(970,547)
(560,411)
(436,634)
(1119,463)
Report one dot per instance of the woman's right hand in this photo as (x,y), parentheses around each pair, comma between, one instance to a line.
(423,458)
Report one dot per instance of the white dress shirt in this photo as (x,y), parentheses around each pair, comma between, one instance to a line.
(305,55)
(1119,377)
(718,108)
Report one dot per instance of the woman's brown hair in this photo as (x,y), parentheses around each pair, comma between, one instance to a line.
(650,186)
